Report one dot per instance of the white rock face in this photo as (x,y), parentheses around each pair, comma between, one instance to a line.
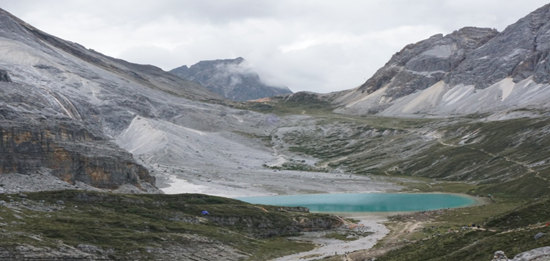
(168,143)
(443,100)
(537,254)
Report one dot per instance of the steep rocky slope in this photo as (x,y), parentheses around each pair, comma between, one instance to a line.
(76,114)
(230,78)
(81,117)
(468,71)
(61,104)
(16,31)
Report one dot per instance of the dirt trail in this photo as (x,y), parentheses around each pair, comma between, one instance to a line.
(391,241)
(409,227)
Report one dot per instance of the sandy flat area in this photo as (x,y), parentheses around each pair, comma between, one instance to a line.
(266,182)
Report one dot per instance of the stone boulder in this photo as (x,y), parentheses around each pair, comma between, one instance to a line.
(500,256)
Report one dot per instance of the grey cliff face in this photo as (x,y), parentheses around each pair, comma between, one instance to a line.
(229,78)
(520,51)
(470,56)
(74,150)
(420,65)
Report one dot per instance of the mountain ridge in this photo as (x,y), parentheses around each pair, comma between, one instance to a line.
(472,70)
(183,88)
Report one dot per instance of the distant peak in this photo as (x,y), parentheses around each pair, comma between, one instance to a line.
(231,78)
(237,60)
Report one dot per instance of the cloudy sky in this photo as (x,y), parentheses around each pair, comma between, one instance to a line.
(313,45)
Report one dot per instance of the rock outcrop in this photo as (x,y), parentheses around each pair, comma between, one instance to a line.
(520,51)
(500,256)
(231,78)
(4,76)
(68,106)
(48,131)
(71,152)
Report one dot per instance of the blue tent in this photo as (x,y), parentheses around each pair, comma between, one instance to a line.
(204,212)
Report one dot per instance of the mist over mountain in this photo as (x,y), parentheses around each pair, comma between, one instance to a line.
(230,78)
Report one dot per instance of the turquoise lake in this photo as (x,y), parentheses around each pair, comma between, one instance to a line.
(365,202)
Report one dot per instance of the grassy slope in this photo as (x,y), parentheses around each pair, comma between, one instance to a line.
(129,224)
(512,232)
(502,157)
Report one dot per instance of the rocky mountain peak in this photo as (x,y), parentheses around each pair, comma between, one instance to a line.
(420,65)
(520,51)
(217,63)
(454,73)
(475,34)
(231,78)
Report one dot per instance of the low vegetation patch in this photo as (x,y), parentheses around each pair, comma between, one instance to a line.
(136,226)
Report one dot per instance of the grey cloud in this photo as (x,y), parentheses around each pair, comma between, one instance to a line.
(316,45)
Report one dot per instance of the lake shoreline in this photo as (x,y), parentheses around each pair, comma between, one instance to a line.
(389,203)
